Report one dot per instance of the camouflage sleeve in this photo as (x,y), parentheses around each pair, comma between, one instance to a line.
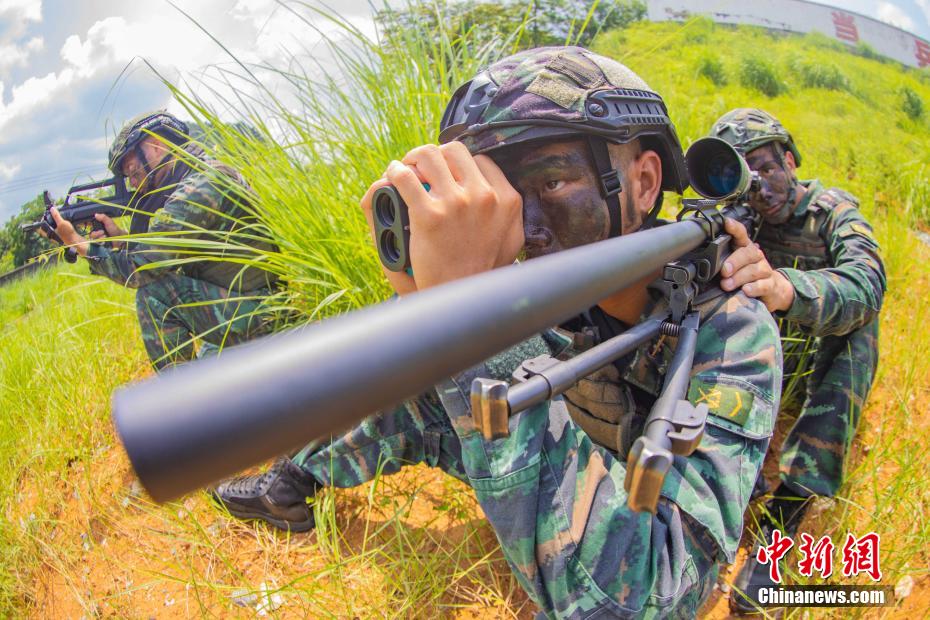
(846,296)
(193,207)
(557,501)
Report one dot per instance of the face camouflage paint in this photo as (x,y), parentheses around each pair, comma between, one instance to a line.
(775,199)
(562,204)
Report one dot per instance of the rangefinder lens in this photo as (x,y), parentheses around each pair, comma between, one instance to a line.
(390,248)
(385,210)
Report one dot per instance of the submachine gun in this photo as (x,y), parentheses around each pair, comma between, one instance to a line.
(213,417)
(81,212)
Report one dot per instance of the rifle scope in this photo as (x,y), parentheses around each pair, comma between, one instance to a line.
(717,171)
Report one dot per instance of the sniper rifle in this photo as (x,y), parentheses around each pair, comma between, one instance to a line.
(213,417)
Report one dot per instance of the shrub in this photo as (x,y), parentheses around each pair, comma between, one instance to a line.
(821,75)
(710,67)
(912,104)
(761,75)
(867,51)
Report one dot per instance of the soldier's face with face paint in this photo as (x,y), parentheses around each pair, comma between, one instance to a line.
(562,203)
(773,200)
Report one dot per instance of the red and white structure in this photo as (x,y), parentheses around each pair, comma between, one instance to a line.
(801,16)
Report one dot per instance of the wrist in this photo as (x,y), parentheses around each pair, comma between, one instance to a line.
(786,292)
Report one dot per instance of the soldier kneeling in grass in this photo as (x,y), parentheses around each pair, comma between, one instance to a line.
(819,269)
(187,207)
(546,150)
(184,204)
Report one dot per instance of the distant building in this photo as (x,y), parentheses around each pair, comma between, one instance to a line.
(800,16)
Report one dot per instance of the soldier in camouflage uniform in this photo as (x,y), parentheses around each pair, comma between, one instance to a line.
(180,193)
(828,279)
(548,149)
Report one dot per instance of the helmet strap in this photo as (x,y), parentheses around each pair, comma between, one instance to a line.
(653,214)
(145,162)
(609,182)
(140,154)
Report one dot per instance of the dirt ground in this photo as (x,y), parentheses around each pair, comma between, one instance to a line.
(135,560)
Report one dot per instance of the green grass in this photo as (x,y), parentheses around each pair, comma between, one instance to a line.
(415,544)
(67,339)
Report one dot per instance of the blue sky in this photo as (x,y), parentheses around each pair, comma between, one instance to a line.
(72,71)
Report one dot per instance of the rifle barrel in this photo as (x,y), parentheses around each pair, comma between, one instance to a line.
(210,418)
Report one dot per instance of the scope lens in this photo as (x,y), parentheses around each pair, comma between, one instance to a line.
(723,175)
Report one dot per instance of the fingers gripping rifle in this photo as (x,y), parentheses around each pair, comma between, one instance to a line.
(81,213)
(213,417)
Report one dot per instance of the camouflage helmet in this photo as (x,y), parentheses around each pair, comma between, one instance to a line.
(562,91)
(746,129)
(140,127)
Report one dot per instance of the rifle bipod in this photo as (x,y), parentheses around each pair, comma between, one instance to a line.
(674,426)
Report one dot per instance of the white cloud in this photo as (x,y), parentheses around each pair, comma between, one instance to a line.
(8,171)
(105,42)
(12,55)
(32,94)
(27,10)
(892,14)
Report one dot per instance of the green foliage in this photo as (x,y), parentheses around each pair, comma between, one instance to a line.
(526,24)
(819,39)
(22,246)
(760,74)
(711,67)
(700,29)
(912,104)
(867,51)
(813,74)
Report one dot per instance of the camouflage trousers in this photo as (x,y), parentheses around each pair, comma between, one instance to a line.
(182,318)
(555,500)
(814,454)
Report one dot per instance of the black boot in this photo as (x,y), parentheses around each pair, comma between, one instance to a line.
(784,512)
(278,496)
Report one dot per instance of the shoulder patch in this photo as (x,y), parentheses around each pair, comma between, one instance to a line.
(724,401)
(833,197)
(857,229)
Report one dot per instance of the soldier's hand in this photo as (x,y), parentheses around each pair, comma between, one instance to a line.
(400,281)
(110,229)
(65,231)
(470,221)
(748,268)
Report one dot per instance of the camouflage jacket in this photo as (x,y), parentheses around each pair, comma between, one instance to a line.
(198,207)
(828,252)
(599,551)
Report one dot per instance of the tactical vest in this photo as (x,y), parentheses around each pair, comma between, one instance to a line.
(800,243)
(611,405)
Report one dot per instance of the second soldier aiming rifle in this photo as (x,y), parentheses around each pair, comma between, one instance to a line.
(80,211)
(214,417)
